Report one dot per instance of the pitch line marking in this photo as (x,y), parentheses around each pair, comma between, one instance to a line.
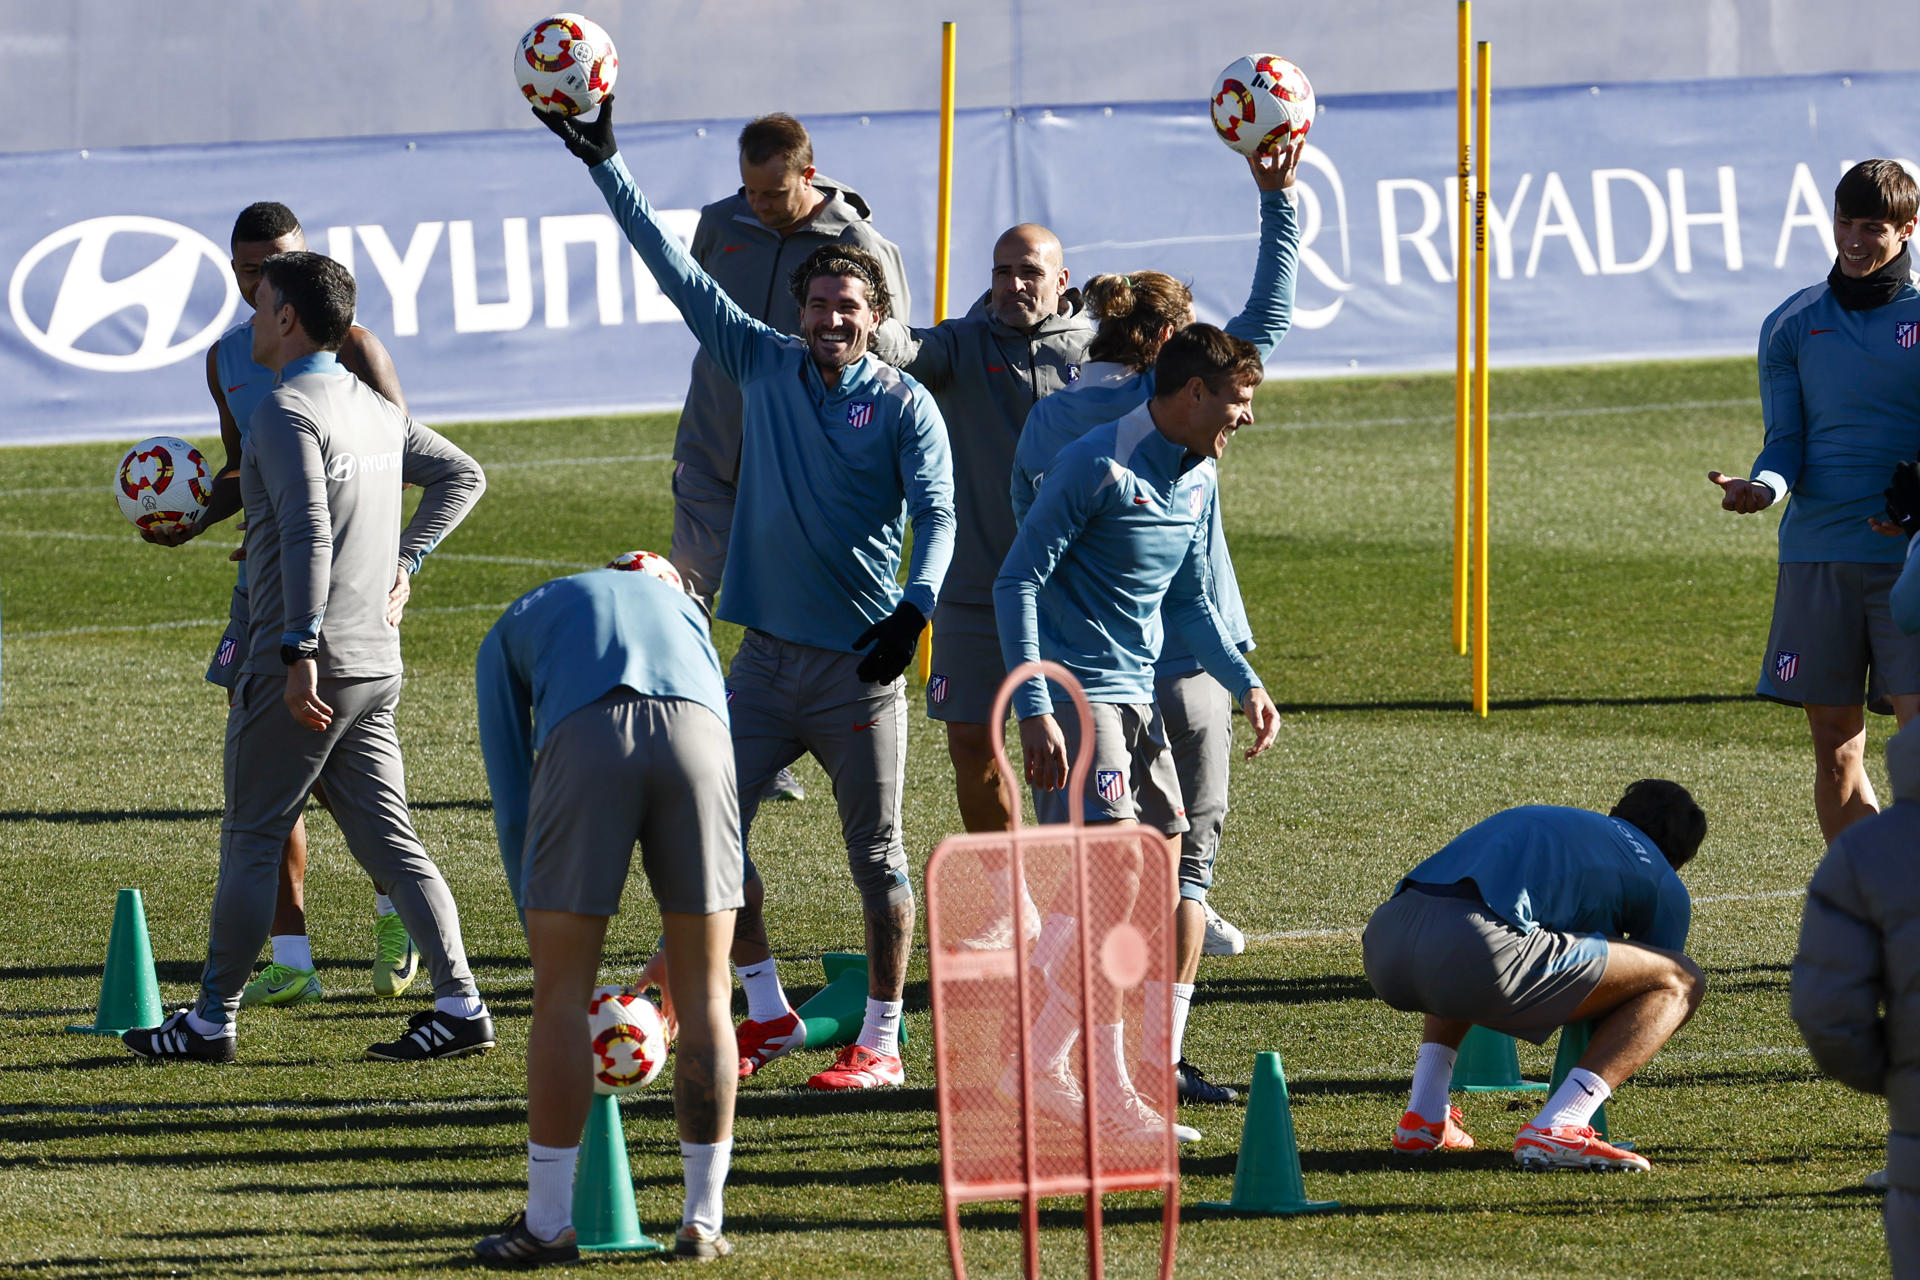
(507,465)
(1329,931)
(188,623)
(1515,415)
(71,536)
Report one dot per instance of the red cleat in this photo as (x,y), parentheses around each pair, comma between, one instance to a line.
(859,1067)
(1565,1146)
(1416,1137)
(762,1042)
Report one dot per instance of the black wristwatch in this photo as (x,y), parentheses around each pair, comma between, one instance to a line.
(292,653)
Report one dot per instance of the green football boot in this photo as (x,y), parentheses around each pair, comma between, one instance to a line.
(281,984)
(395,959)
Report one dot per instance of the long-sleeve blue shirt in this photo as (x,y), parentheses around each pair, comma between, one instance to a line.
(828,475)
(1840,393)
(565,645)
(1116,537)
(1569,870)
(1106,392)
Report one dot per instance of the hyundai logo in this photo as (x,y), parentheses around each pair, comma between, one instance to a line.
(162,289)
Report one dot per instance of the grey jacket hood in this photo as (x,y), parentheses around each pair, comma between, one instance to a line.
(843,208)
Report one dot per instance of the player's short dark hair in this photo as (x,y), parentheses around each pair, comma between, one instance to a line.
(1132,310)
(843,260)
(777,135)
(1668,815)
(320,291)
(263,222)
(1879,189)
(1212,355)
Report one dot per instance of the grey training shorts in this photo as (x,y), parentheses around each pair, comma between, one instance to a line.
(231,653)
(1833,635)
(1443,952)
(1198,712)
(630,768)
(1132,776)
(967,669)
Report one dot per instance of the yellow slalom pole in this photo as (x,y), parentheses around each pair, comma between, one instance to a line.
(1482,138)
(943,239)
(1462,289)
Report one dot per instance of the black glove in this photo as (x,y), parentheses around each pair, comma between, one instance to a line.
(1903,497)
(591,140)
(894,639)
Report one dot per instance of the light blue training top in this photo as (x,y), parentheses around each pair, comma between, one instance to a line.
(1840,393)
(1116,537)
(828,476)
(1569,870)
(565,645)
(243,385)
(1105,392)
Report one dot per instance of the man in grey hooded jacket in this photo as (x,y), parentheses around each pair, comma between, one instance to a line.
(1860,952)
(750,243)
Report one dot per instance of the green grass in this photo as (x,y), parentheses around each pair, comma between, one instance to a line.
(1628,617)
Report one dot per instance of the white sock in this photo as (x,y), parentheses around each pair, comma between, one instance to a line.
(706,1166)
(1108,1049)
(1432,1079)
(1156,1029)
(1575,1101)
(1182,1005)
(382,905)
(766,998)
(550,1189)
(1056,935)
(461,1007)
(881,1031)
(294,950)
(201,1027)
(1055,1030)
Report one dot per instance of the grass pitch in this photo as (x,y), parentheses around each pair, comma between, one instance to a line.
(1628,616)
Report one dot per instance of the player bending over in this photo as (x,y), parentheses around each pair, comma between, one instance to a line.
(837,450)
(238,384)
(1539,917)
(1138,312)
(610,677)
(1115,541)
(1840,392)
(320,672)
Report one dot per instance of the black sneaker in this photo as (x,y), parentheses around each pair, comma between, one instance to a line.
(175,1039)
(691,1244)
(1195,1087)
(432,1034)
(516,1246)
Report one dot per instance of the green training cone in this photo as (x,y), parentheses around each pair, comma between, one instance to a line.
(836,1011)
(1267,1178)
(604,1216)
(1574,1039)
(129,993)
(1489,1063)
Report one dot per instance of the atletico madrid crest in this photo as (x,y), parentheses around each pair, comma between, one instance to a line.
(1785,665)
(1111,783)
(1906,333)
(936,689)
(859,414)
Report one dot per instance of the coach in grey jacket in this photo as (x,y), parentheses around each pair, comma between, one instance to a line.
(329,566)
(1859,951)
(751,242)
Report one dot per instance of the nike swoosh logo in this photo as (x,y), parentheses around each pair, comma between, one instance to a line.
(235,387)
(1141,502)
(732,248)
(1811,332)
(274,991)
(862,728)
(996,368)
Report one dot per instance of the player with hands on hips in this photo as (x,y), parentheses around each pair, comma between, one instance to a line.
(838,452)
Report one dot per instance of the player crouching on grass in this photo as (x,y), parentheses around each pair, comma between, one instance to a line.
(321,480)
(1114,546)
(1517,926)
(611,678)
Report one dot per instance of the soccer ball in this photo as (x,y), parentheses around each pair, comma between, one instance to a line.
(1262,103)
(629,1040)
(565,64)
(648,562)
(163,484)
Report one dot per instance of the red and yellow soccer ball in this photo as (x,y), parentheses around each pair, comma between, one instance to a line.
(565,64)
(1261,104)
(163,484)
(650,563)
(629,1040)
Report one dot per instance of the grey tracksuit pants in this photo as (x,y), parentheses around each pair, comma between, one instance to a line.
(272,762)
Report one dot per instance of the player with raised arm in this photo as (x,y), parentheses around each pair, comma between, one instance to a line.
(1138,312)
(1021,342)
(837,452)
(238,384)
(603,721)
(1840,393)
(1114,546)
(1536,918)
(321,478)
